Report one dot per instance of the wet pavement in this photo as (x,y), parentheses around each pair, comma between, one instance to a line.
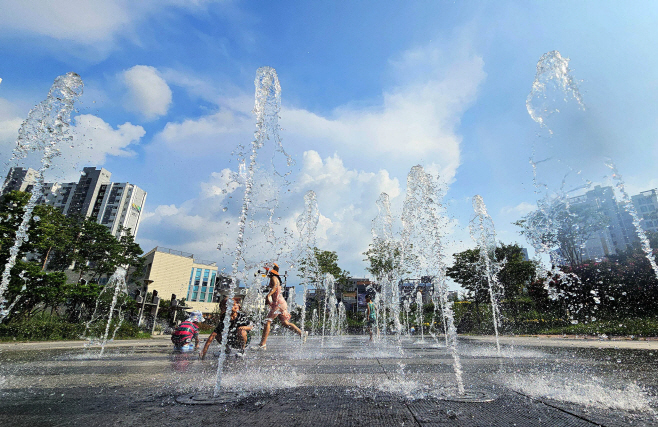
(343,381)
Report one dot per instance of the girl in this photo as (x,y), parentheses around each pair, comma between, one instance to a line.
(278,307)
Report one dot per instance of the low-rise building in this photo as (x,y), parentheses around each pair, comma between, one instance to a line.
(180,273)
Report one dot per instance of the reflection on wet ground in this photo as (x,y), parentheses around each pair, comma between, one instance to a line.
(138,384)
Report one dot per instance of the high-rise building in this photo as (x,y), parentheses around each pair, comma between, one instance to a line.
(120,207)
(86,193)
(619,233)
(646,204)
(115,205)
(616,235)
(18,179)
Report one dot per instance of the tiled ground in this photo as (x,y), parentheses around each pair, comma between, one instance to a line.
(342,381)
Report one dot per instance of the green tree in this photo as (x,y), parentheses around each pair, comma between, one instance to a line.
(516,274)
(384,259)
(34,290)
(325,262)
(12,208)
(51,237)
(80,300)
(98,253)
(466,271)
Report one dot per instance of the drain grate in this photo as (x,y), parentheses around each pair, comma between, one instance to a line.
(208,398)
(470,396)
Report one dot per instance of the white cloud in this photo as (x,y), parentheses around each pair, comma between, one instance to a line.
(521,209)
(148,93)
(416,122)
(10,123)
(88,23)
(93,141)
(79,20)
(346,200)
(204,136)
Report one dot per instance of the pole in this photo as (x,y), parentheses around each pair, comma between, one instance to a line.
(154,311)
(147,282)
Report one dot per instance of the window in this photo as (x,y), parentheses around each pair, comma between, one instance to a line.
(197,277)
(211,290)
(189,291)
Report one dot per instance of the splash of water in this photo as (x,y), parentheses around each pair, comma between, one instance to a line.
(307,224)
(314,322)
(483,233)
(389,252)
(333,318)
(423,232)
(266,108)
(118,282)
(342,319)
(419,314)
(407,308)
(328,286)
(45,129)
(630,208)
(552,73)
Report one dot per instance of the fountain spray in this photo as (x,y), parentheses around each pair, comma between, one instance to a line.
(45,129)
(118,281)
(388,253)
(307,224)
(484,234)
(266,108)
(423,233)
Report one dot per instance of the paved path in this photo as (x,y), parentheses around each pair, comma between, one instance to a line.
(343,382)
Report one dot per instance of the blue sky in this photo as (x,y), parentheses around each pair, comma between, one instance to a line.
(369,90)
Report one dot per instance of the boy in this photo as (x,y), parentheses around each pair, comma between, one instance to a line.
(186,332)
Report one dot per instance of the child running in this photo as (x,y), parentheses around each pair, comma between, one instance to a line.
(278,307)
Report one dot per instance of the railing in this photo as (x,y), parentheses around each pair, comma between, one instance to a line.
(204,262)
(173,252)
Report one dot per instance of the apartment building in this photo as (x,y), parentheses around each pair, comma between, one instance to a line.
(115,205)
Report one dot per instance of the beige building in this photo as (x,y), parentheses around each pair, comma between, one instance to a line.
(179,273)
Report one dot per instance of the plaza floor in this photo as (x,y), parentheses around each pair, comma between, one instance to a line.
(336,381)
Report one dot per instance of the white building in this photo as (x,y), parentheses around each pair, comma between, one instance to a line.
(115,205)
(121,207)
(646,204)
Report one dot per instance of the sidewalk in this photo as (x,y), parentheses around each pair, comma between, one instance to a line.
(339,381)
(569,341)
